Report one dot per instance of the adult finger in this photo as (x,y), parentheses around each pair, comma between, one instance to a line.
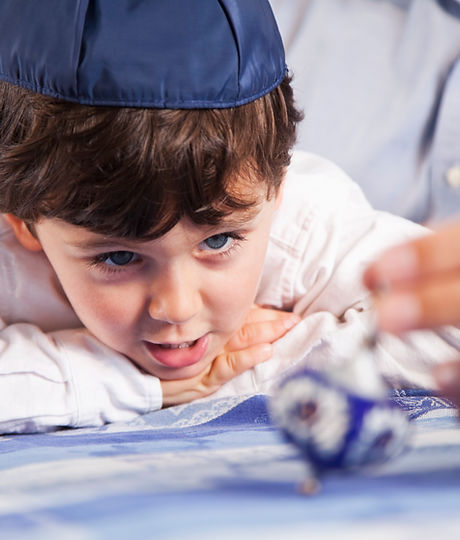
(434,254)
(447,376)
(427,304)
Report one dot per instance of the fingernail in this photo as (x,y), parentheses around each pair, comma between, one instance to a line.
(291,321)
(398,312)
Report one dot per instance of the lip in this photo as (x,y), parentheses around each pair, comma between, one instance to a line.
(179,357)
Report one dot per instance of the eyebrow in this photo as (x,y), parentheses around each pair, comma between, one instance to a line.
(98,243)
(244,217)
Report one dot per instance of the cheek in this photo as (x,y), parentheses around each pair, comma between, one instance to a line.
(108,314)
(234,296)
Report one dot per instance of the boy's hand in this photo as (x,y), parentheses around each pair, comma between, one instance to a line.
(247,348)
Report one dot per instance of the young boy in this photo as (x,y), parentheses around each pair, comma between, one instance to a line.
(149,201)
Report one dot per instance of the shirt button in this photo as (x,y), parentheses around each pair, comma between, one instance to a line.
(453,176)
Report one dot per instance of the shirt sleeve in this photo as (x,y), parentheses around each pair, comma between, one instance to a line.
(67,378)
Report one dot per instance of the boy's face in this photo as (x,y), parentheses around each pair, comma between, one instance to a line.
(169,304)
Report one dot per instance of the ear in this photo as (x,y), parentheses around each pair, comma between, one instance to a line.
(22,233)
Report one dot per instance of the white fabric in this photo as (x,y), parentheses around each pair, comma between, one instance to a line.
(54,373)
(379,81)
(324,236)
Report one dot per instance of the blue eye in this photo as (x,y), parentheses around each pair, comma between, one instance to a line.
(119,258)
(218,241)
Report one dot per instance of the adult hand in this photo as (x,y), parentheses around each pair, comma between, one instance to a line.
(417,285)
(250,346)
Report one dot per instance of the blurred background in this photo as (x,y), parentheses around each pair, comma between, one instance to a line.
(379,82)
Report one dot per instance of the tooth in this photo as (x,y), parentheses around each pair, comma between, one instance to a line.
(178,346)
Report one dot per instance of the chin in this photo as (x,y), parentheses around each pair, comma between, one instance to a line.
(174,374)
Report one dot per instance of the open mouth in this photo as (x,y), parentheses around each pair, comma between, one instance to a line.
(176,355)
(184,345)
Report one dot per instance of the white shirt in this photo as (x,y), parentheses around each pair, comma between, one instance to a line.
(379,81)
(55,373)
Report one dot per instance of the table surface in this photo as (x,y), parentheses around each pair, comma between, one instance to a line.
(220,469)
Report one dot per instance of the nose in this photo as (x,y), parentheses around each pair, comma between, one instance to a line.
(175,296)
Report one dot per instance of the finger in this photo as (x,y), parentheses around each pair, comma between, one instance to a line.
(229,365)
(176,392)
(430,255)
(261,332)
(448,380)
(429,304)
(260,314)
(225,367)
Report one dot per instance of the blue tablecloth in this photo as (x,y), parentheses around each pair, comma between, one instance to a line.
(221,470)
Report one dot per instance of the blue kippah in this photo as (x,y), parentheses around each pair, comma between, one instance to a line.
(175,54)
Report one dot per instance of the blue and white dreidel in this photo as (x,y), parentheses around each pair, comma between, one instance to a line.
(340,419)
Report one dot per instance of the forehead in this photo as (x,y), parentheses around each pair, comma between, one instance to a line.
(83,238)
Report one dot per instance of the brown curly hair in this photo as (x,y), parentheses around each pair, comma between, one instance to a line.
(132,172)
